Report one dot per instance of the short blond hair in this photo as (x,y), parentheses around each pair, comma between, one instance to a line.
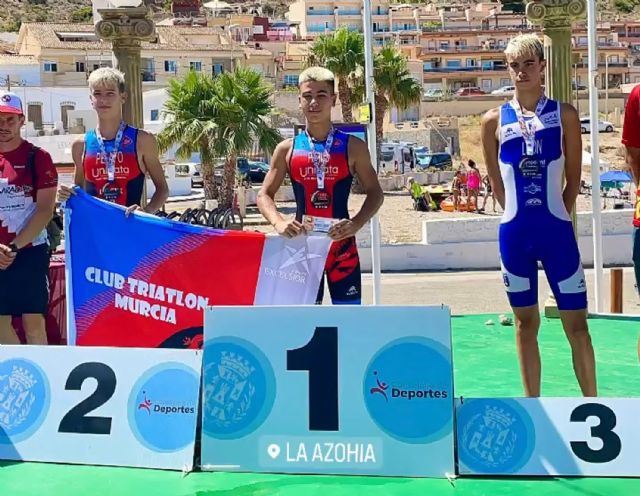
(107,77)
(319,74)
(525,44)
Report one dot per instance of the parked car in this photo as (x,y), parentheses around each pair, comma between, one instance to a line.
(434,93)
(504,90)
(440,161)
(603,126)
(197,181)
(470,91)
(252,170)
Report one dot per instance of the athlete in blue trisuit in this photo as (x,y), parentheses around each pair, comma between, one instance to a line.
(529,143)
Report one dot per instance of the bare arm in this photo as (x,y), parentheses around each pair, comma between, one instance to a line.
(148,146)
(572,143)
(77,154)
(360,163)
(270,185)
(45,203)
(490,144)
(633,161)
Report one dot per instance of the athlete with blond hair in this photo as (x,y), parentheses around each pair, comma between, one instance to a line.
(529,144)
(111,161)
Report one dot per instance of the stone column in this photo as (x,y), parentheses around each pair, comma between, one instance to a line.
(126,28)
(556,18)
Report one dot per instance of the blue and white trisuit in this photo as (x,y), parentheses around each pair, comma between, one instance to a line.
(535,226)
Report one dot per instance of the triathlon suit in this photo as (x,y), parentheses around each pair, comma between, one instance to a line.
(126,188)
(343,264)
(535,226)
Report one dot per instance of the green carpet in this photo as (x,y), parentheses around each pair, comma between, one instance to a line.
(485,365)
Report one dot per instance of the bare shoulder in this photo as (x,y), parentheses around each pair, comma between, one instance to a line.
(78,144)
(491,117)
(145,137)
(357,145)
(283,148)
(568,111)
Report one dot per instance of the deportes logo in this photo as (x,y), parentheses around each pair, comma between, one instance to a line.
(533,202)
(407,381)
(494,436)
(239,388)
(532,189)
(24,399)
(380,388)
(162,407)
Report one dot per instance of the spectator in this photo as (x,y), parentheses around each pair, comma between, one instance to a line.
(488,191)
(473,186)
(28,182)
(456,187)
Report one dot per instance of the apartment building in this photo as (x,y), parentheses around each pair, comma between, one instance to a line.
(67,53)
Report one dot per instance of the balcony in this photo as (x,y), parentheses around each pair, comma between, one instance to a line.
(320,12)
(585,65)
(321,28)
(349,12)
(495,68)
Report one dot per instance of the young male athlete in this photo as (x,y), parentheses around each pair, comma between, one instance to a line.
(631,142)
(321,162)
(28,182)
(528,144)
(111,161)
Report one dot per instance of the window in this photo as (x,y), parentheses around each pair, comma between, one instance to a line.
(50,67)
(291,79)
(80,67)
(155,114)
(217,69)
(453,63)
(34,114)
(471,62)
(171,66)
(427,66)
(195,66)
(65,108)
(486,84)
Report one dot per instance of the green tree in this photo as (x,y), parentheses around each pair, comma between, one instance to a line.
(220,118)
(82,14)
(394,86)
(343,54)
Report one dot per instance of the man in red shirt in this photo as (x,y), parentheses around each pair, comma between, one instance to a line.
(27,200)
(631,142)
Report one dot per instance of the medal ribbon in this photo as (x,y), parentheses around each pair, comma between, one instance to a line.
(110,158)
(321,158)
(528,128)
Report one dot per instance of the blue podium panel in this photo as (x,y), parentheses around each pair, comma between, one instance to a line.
(549,436)
(340,390)
(99,406)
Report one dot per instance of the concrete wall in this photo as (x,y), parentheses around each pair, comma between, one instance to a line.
(459,244)
(479,105)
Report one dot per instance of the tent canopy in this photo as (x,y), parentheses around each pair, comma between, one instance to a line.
(617,176)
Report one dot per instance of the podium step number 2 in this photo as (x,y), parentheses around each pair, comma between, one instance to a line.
(340,390)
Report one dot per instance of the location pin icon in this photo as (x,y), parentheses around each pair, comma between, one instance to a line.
(273,450)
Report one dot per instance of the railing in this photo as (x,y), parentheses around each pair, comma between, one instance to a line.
(466,69)
(585,65)
(350,12)
(321,29)
(315,12)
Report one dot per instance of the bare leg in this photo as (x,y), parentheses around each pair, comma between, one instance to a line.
(584,362)
(7,332)
(527,326)
(34,328)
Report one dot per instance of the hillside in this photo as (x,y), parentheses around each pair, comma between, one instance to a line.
(17,11)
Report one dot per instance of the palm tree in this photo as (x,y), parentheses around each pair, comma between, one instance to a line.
(343,54)
(395,87)
(218,117)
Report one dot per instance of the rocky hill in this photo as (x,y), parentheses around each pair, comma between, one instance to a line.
(17,11)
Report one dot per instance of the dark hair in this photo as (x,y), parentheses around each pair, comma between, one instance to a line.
(472,164)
